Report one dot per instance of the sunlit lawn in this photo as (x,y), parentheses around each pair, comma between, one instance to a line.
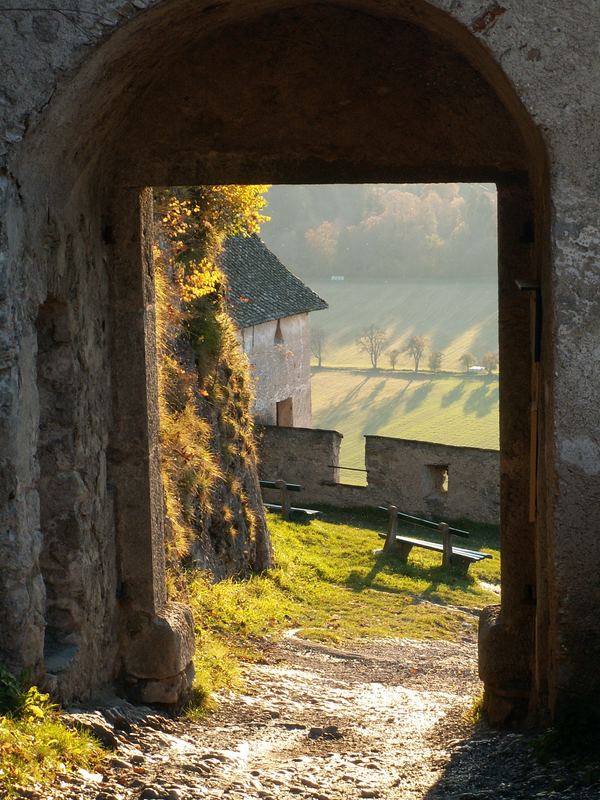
(449,409)
(329,584)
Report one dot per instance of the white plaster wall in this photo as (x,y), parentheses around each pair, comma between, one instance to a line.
(280,370)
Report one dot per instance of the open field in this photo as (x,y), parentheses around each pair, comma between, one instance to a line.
(456,317)
(446,407)
(329,585)
(450,409)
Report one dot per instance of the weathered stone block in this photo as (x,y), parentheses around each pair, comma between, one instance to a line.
(162,647)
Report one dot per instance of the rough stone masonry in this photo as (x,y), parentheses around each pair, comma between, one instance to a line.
(102,98)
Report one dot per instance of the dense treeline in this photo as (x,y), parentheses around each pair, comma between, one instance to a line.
(424,231)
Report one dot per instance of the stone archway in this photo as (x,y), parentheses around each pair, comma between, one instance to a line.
(268,92)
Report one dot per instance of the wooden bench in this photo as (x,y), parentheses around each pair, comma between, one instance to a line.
(285,506)
(459,558)
(306,512)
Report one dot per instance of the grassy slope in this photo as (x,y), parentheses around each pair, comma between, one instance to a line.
(328,583)
(456,317)
(446,408)
(443,408)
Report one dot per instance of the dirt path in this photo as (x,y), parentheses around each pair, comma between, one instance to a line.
(383,721)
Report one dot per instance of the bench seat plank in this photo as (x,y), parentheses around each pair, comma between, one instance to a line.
(310,512)
(290,487)
(461,553)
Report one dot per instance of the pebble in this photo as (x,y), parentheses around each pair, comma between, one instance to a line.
(228,756)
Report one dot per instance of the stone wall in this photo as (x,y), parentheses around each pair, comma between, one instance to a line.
(431,480)
(279,356)
(443,90)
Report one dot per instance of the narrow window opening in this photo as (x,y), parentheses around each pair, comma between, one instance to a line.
(278,333)
(436,480)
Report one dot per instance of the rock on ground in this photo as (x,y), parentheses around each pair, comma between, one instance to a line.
(383,721)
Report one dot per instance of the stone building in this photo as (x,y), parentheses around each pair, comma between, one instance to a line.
(270,307)
(103,98)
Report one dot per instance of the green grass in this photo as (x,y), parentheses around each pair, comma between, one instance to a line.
(456,317)
(35,745)
(449,409)
(328,583)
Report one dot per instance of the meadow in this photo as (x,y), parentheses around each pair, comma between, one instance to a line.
(331,587)
(449,406)
(456,317)
(450,409)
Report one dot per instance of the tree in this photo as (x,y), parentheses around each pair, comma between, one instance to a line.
(372,341)
(467,360)
(393,356)
(435,360)
(415,347)
(490,362)
(318,344)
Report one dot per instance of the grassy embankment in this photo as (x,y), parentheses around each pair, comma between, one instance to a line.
(449,407)
(328,583)
(36,748)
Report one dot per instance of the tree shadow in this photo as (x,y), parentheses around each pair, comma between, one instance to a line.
(454,395)
(482,400)
(375,392)
(386,410)
(418,397)
(331,417)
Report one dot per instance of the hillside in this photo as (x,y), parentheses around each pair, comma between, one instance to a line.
(396,231)
(455,316)
(448,409)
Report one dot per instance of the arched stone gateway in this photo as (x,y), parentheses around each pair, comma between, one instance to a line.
(103,100)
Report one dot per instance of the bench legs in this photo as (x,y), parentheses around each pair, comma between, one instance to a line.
(460,564)
(285,499)
(402,550)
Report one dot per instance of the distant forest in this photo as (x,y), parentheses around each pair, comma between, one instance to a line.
(417,231)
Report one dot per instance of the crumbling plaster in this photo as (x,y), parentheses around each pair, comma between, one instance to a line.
(75,87)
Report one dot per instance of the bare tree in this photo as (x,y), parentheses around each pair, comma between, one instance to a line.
(416,347)
(435,360)
(318,344)
(393,356)
(467,360)
(372,341)
(490,362)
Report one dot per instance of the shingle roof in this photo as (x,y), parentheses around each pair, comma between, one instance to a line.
(260,287)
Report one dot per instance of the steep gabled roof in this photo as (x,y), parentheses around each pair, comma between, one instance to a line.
(260,287)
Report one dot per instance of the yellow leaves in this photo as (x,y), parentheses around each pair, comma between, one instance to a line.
(195,222)
(201,278)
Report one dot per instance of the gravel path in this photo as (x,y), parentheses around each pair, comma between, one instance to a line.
(383,721)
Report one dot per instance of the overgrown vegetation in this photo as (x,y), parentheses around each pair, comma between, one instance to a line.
(329,585)
(35,745)
(201,367)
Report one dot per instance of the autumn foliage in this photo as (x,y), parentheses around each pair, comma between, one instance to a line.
(200,364)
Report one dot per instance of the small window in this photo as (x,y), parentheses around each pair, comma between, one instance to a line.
(436,479)
(278,333)
(285,413)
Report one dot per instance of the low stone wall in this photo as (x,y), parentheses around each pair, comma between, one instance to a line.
(422,478)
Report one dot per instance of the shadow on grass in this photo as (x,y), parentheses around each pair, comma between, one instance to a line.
(436,576)
(454,395)
(482,400)
(418,397)
(386,410)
